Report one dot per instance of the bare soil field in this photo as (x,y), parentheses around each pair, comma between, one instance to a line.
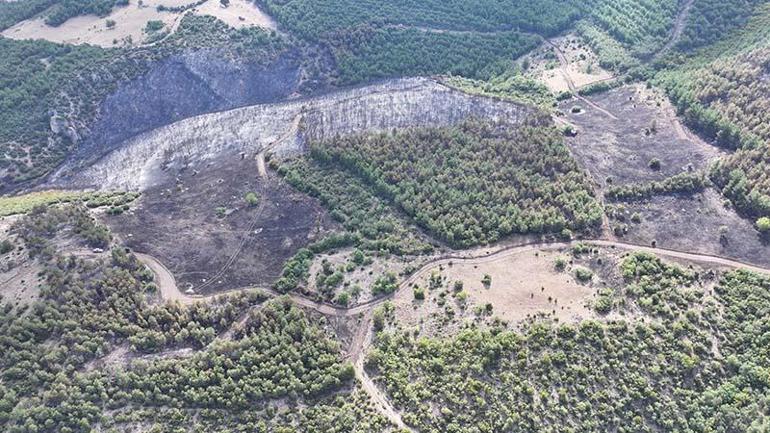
(621,149)
(700,224)
(524,286)
(582,64)
(201,227)
(131,20)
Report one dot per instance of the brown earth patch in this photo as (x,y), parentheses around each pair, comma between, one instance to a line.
(201,227)
(621,149)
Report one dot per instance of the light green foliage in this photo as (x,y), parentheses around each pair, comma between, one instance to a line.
(251,199)
(763,224)
(612,54)
(683,183)
(510,85)
(583,275)
(385,284)
(560,263)
(20,204)
(642,27)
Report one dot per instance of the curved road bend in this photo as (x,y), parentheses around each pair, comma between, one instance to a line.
(363,335)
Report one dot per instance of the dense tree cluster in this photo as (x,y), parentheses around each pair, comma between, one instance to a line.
(14,12)
(367,52)
(683,183)
(356,206)
(709,20)
(473,183)
(314,18)
(66,9)
(696,363)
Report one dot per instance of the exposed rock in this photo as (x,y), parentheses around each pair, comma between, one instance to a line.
(182,86)
(285,127)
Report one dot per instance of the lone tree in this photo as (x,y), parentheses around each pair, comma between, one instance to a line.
(224,3)
(763,225)
(251,198)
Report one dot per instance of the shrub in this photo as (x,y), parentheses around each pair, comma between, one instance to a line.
(487,280)
(419,293)
(343,299)
(603,304)
(763,224)
(654,164)
(458,286)
(385,284)
(251,199)
(153,26)
(583,275)
(6,247)
(560,264)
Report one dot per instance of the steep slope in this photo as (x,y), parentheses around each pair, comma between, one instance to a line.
(137,162)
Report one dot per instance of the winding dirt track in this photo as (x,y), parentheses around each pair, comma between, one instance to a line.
(572,88)
(363,336)
(679,24)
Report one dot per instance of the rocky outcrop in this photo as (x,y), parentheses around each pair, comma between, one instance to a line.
(182,86)
(285,128)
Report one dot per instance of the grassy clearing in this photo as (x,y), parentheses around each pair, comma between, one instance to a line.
(21,204)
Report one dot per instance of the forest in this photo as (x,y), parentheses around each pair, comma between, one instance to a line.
(721,94)
(693,364)
(474,183)
(368,53)
(89,307)
(312,19)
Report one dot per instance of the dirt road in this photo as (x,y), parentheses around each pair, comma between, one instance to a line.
(572,88)
(363,336)
(679,24)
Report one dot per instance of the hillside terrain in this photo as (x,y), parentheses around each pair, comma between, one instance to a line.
(394,216)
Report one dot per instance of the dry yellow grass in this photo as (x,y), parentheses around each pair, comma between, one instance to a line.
(131,20)
(24,203)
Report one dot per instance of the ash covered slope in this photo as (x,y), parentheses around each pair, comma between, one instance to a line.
(283,128)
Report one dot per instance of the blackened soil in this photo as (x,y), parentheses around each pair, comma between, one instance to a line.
(198,223)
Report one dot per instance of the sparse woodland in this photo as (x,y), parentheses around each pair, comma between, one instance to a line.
(88,308)
(694,364)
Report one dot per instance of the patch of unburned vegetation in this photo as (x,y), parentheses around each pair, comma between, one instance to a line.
(19,204)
